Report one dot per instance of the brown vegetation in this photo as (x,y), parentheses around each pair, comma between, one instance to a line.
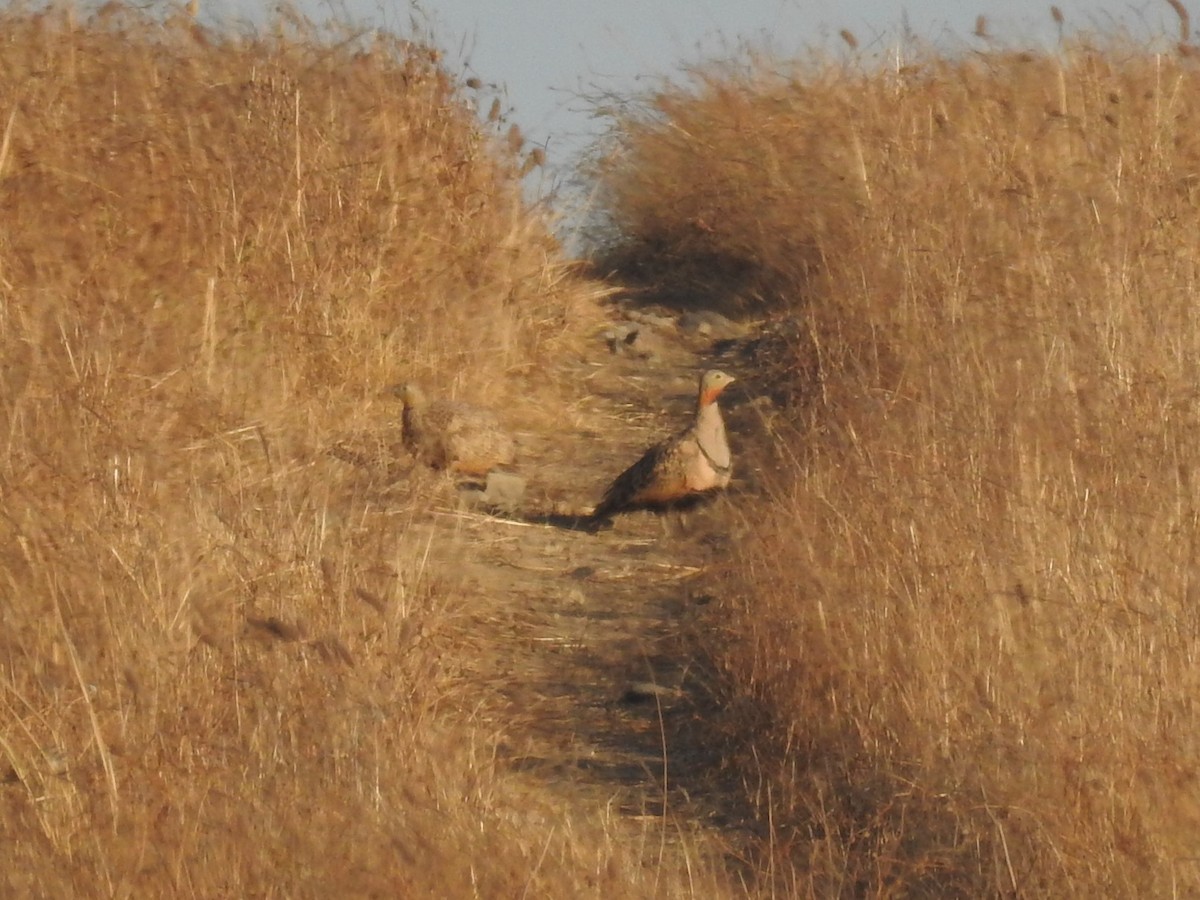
(229,667)
(957,644)
(971,614)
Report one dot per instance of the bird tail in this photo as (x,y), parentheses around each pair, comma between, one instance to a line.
(604,509)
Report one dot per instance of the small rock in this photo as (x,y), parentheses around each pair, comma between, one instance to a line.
(504,490)
(469,497)
(620,338)
(634,341)
(707,323)
(652,320)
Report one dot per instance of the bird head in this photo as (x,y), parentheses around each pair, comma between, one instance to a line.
(712,383)
(412,396)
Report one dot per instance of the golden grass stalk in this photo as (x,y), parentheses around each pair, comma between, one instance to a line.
(966,611)
(217,252)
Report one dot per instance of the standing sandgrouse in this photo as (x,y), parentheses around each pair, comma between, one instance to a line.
(695,461)
(456,436)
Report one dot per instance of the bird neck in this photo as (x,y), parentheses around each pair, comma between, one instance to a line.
(710,435)
(410,416)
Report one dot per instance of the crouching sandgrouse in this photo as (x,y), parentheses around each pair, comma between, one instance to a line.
(693,462)
(447,434)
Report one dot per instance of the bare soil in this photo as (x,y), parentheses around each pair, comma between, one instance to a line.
(591,642)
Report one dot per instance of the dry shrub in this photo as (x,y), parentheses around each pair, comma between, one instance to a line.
(229,666)
(673,185)
(971,613)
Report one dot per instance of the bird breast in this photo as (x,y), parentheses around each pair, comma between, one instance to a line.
(710,435)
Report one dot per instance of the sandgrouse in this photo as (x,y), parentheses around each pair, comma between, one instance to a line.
(457,436)
(693,462)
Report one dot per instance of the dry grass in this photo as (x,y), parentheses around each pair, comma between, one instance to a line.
(963,634)
(230,666)
(972,614)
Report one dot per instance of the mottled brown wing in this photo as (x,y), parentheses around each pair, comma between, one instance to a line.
(658,477)
(478,451)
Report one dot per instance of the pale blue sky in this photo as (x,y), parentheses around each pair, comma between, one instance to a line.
(547,55)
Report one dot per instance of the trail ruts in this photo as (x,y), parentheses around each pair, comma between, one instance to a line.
(587,639)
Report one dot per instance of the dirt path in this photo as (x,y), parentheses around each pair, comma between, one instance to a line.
(587,637)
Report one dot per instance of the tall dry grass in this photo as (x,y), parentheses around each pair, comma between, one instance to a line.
(228,664)
(971,612)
